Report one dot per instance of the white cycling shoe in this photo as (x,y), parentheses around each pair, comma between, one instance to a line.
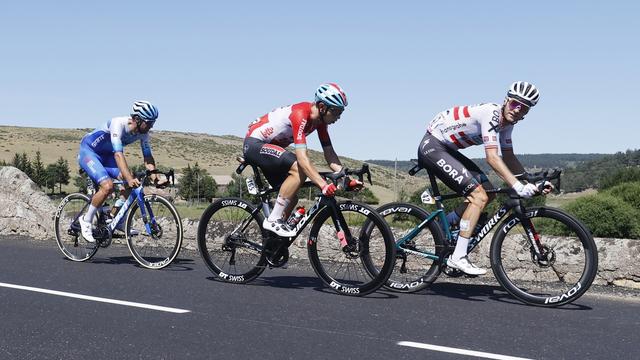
(279,227)
(464,265)
(86,229)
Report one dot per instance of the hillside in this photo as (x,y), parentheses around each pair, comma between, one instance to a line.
(174,150)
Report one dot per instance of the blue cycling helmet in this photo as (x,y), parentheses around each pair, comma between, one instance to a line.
(145,111)
(332,95)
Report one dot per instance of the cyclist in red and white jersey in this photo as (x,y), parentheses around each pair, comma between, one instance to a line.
(269,135)
(489,125)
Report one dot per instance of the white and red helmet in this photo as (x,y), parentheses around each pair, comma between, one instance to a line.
(332,95)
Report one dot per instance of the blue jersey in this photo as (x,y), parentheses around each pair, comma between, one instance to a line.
(113,137)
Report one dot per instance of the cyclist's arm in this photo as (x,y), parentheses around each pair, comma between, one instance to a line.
(116,128)
(327,148)
(304,163)
(512,161)
(497,164)
(123,166)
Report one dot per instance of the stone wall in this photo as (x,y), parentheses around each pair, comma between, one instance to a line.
(24,208)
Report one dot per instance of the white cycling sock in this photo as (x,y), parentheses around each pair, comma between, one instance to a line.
(91,212)
(278,208)
(461,248)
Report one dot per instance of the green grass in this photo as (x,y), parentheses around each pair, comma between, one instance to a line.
(192,212)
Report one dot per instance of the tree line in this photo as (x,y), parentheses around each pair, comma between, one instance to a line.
(46,176)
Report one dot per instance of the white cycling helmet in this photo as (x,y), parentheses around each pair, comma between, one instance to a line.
(524,92)
(332,95)
(145,110)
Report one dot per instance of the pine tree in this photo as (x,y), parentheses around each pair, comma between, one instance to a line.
(62,173)
(39,176)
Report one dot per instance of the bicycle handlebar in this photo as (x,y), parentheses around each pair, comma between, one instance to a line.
(344,175)
(144,175)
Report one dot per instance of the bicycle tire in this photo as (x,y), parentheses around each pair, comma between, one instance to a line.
(350,273)
(562,278)
(222,244)
(412,272)
(158,249)
(67,238)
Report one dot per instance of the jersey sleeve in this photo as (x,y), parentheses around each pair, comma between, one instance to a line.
(116,129)
(490,125)
(299,119)
(145,146)
(323,135)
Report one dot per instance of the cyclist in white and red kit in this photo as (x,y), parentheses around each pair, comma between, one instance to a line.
(489,125)
(269,135)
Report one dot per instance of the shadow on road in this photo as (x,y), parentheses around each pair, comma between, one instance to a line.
(481,292)
(302,282)
(179,264)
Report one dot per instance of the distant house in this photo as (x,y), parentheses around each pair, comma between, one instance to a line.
(222,181)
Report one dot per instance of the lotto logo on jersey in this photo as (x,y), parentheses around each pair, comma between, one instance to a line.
(266,132)
(271,150)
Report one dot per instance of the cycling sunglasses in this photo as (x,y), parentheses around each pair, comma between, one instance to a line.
(517,105)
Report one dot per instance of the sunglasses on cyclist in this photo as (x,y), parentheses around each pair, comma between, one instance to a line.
(335,110)
(517,105)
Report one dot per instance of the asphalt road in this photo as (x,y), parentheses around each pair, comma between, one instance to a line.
(57,309)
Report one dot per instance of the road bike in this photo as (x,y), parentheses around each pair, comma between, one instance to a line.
(350,246)
(540,255)
(152,227)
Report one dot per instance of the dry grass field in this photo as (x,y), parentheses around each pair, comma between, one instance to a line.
(174,150)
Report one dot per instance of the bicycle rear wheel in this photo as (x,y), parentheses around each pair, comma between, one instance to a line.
(67,228)
(561,275)
(415,268)
(230,240)
(366,264)
(157,248)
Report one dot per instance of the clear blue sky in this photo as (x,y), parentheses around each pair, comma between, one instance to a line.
(214,66)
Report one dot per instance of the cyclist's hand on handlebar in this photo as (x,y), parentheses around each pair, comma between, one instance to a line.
(161,182)
(525,190)
(329,189)
(545,187)
(133,183)
(355,185)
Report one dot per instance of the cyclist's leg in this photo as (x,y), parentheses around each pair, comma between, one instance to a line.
(91,163)
(280,168)
(481,177)
(445,164)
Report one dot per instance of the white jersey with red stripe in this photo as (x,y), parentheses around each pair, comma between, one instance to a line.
(286,125)
(464,126)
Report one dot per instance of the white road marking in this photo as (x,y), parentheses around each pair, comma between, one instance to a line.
(95,298)
(459,351)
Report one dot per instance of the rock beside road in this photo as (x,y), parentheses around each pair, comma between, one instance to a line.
(24,208)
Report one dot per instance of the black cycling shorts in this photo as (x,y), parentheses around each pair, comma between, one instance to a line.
(273,160)
(454,169)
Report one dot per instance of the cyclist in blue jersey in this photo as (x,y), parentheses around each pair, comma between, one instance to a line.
(102,157)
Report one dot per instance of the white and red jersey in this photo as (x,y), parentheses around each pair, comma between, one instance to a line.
(464,126)
(286,125)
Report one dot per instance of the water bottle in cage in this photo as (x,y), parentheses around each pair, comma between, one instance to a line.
(294,219)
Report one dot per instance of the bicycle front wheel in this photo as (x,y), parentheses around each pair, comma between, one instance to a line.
(366,263)
(416,247)
(154,238)
(561,274)
(230,240)
(67,228)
